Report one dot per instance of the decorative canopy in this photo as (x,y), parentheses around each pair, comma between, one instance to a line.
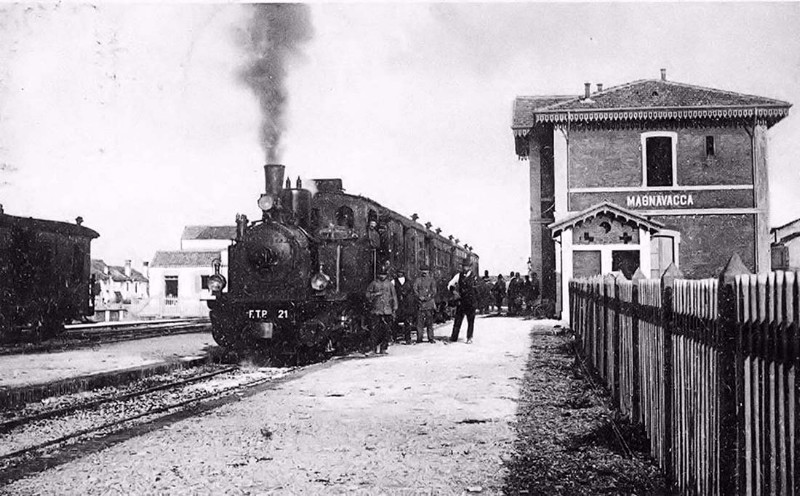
(610,209)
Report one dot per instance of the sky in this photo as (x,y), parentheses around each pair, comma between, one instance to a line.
(134,116)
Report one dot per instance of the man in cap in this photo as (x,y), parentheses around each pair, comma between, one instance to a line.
(464,286)
(383,304)
(405,306)
(425,291)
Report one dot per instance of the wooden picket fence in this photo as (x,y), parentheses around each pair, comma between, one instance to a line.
(707,367)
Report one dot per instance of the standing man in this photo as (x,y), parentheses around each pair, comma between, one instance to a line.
(464,286)
(499,293)
(405,306)
(425,291)
(383,304)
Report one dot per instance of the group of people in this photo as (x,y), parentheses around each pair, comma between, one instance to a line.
(397,303)
(520,294)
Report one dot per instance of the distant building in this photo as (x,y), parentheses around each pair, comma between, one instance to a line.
(642,175)
(122,290)
(786,246)
(179,279)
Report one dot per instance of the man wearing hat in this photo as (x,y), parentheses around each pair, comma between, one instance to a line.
(382,304)
(464,286)
(425,291)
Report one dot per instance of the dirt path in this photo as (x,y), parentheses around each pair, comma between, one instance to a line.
(427,419)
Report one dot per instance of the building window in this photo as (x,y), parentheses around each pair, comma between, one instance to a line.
(710,150)
(204,282)
(586,263)
(171,286)
(659,158)
(625,261)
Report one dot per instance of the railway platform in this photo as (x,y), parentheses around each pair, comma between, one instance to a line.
(31,377)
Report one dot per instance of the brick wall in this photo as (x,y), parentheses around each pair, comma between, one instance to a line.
(612,157)
(708,241)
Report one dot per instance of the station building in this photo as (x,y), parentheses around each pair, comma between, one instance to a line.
(644,174)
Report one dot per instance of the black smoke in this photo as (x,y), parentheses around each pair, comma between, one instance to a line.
(275,34)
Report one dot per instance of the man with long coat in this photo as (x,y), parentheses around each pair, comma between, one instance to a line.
(464,286)
(382,301)
(425,292)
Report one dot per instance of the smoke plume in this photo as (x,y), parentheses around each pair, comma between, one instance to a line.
(275,34)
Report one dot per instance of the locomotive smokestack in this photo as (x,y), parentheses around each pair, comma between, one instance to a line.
(273,179)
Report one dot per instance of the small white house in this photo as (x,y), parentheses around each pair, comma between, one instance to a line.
(121,290)
(179,279)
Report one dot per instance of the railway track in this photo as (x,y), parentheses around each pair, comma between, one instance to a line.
(81,335)
(35,439)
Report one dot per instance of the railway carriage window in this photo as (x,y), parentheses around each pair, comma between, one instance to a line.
(345,217)
(77,263)
(658,158)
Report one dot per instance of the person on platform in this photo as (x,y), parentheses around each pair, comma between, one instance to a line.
(514,294)
(464,288)
(382,301)
(425,292)
(405,307)
(485,300)
(527,288)
(499,291)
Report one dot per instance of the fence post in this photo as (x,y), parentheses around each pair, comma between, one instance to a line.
(636,386)
(615,307)
(730,381)
(667,321)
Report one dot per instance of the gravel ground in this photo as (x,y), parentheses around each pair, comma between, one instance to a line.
(44,430)
(565,443)
(427,419)
(510,414)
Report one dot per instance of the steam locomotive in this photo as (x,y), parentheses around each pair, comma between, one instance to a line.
(298,275)
(44,276)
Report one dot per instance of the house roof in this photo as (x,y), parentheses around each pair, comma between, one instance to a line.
(604,208)
(209,232)
(648,99)
(184,258)
(115,272)
(524,107)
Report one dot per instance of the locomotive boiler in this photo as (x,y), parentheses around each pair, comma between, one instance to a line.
(298,275)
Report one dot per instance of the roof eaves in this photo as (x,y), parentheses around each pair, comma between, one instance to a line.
(574,219)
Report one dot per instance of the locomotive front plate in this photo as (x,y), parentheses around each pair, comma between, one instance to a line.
(264,314)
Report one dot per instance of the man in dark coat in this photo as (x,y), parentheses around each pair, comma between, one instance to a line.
(514,294)
(499,291)
(425,292)
(405,306)
(382,304)
(465,288)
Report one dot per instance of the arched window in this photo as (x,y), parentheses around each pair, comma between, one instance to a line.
(345,217)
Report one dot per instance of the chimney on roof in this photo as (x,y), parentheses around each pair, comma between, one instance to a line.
(587,89)
(663,74)
(599,87)
(127,268)
(146,268)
